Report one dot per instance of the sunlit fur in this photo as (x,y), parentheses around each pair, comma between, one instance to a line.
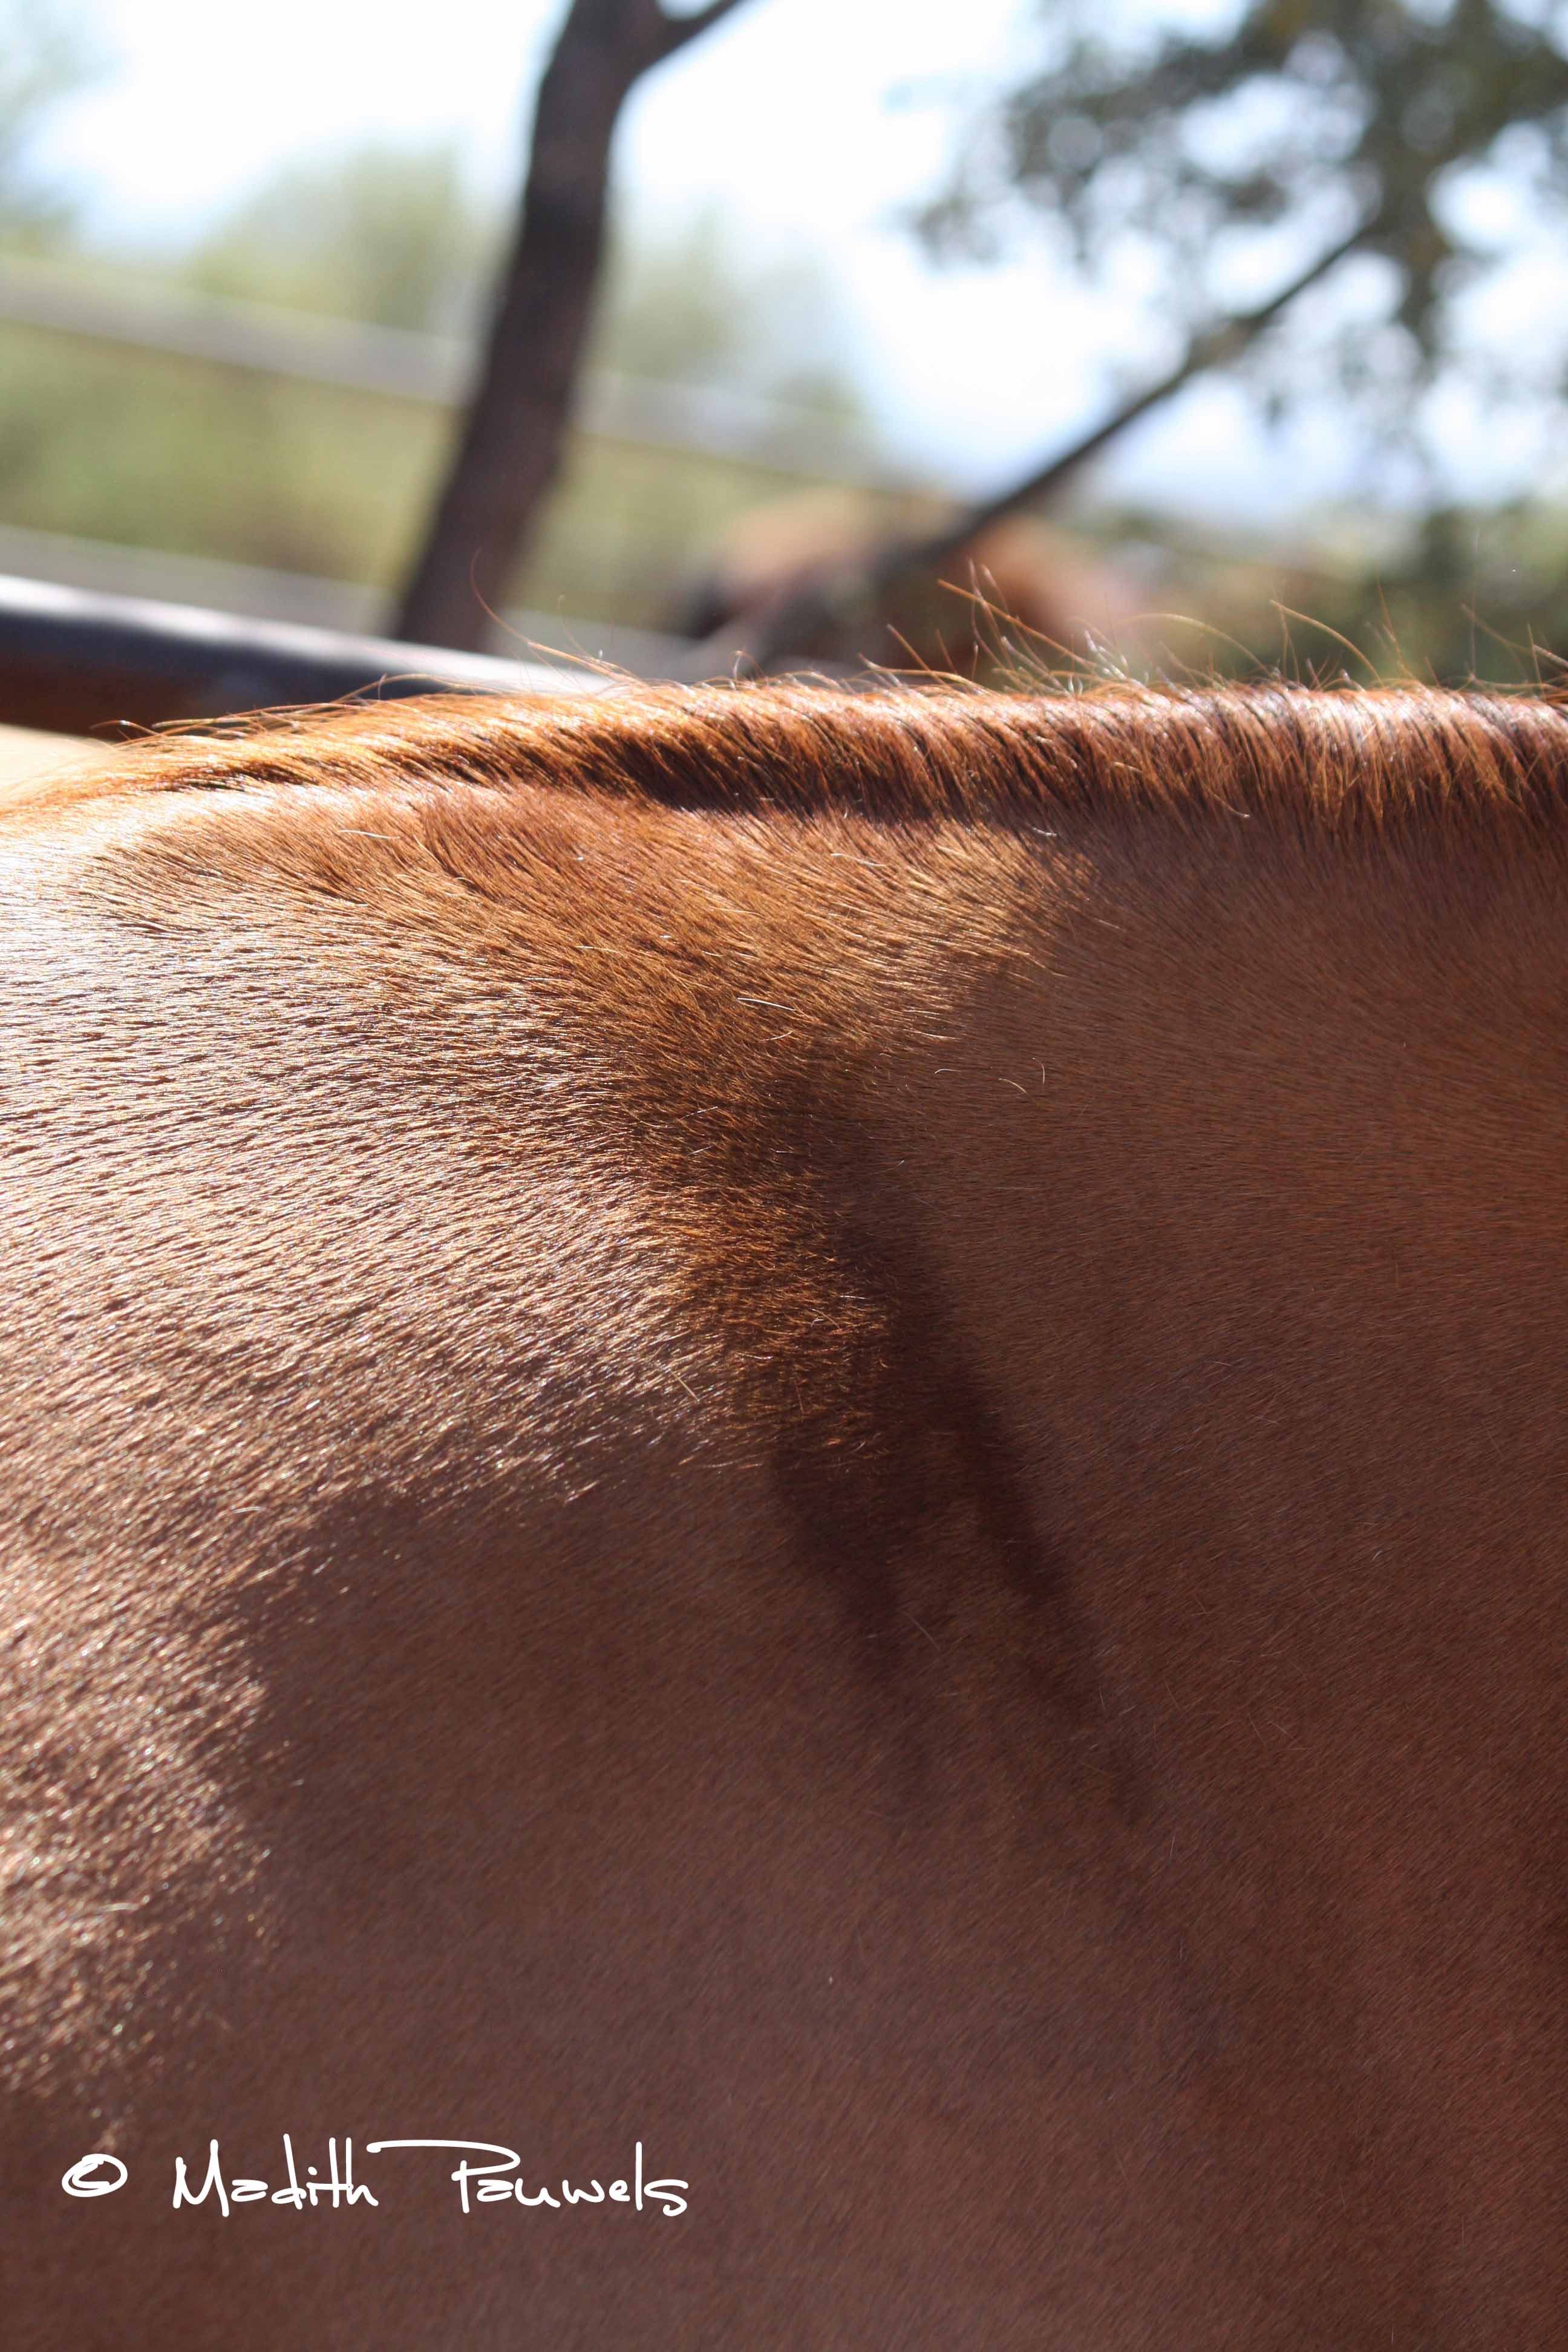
(928,752)
(826,1428)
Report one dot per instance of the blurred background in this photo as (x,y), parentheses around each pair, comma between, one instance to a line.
(1165,336)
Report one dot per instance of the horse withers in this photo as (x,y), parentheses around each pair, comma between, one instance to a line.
(801,1457)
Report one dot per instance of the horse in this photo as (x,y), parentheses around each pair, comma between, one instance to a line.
(1019,592)
(783,1504)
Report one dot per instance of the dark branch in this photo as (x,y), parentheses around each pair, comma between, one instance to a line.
(779,631)
(679,30)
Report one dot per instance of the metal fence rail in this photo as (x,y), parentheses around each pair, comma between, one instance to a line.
(71,659)
(106,568)
(399,364)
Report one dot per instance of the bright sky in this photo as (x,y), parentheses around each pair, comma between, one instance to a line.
(787,117)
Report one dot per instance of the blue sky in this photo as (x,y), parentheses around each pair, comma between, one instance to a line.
(787,118)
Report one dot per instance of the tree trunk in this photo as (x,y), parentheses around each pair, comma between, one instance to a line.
(511,437)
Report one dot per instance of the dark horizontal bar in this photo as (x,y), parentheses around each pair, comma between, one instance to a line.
(71,659)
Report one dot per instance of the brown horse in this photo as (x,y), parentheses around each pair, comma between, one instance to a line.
(803,1458)
(1021,590)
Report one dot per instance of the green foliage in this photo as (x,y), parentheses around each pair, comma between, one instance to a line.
(106,442)
(45,58)
(394,237)
(110,443)
(387,233)
(190,457)
(1293,121)
(1476,595)
(671,308)
(684,304)
(1460,596)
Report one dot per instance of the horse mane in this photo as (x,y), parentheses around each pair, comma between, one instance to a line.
(903,754)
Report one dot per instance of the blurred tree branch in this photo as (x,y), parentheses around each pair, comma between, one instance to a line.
(45,57)
(511,437)
(1138,137)
(773,634)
